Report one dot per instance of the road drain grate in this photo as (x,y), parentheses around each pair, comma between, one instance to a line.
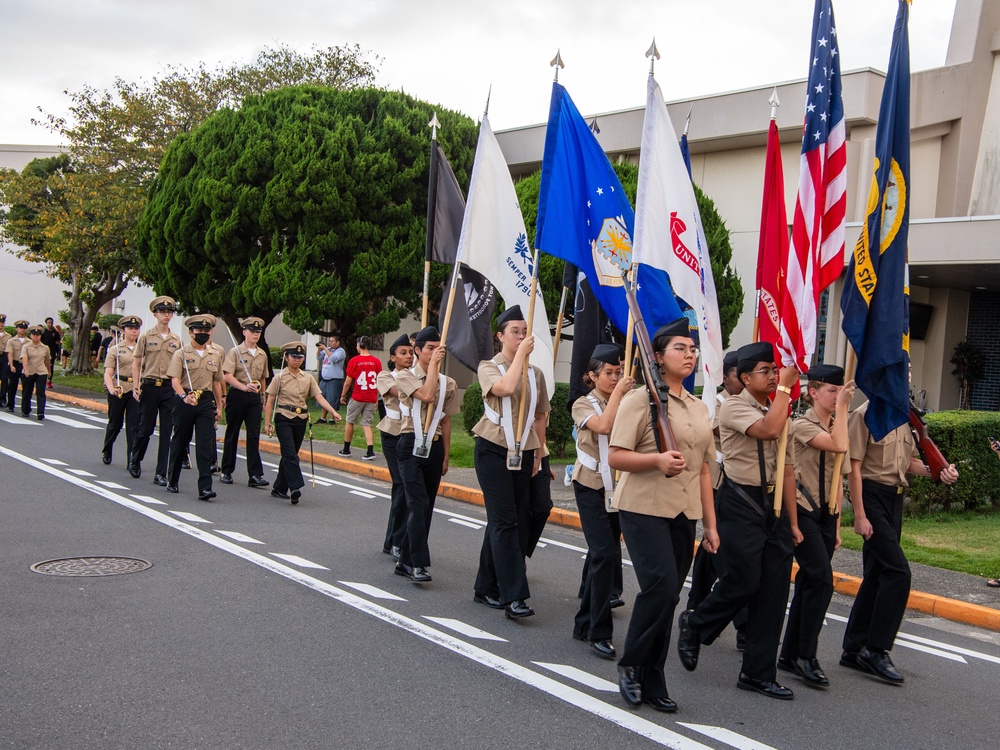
(91,566)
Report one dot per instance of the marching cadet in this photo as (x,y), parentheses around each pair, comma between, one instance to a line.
(122,407)
(502,581)
(153,354)
(400,358)
(877,482)
(593,485)
(425,393)
(289,392)
(659,499)
(4,364)
(195,373)
(245,371)
(815,527)
(755,546)
(12,352)
(36,369)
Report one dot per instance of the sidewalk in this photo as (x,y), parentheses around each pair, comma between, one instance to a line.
(959,597)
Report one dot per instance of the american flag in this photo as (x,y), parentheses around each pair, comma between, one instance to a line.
(817,256)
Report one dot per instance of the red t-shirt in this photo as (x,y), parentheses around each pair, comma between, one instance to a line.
(364,369)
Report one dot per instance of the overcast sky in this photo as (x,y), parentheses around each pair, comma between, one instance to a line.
(448,52)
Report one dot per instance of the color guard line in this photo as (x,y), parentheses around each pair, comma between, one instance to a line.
(930,604)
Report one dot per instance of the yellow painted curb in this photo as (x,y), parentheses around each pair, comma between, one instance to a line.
(931,604)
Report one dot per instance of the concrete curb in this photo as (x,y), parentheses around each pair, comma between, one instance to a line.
(931,604)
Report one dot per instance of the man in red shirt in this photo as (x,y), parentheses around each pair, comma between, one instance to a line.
(362,372)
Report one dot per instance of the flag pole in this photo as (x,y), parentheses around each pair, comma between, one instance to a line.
(431,201)
(835,481)
(524,372)
(559,321)
(444,335)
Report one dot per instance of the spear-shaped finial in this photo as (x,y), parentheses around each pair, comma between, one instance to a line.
(557,62)
(434,125)
(653,54)
(687,122)
(489,93)
(775,103)
(593,127)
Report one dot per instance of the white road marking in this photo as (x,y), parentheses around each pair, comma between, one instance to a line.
(54,462)
(92,418)
(460,627)
(929,650)
(238,537)
(365,495)
(450,514)
(81,473)
(189,516)
(948,647)
(11,419)
(372,591)
(942,650)
(730,738)
(112,485)
(574,548)
(460,522)
(578,675)
(542,545)
(148,499)
(300,561)
(70,422)
(591,705)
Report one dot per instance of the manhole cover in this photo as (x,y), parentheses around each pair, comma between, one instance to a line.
(91,566)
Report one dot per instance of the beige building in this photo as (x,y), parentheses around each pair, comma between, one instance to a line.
(954,183)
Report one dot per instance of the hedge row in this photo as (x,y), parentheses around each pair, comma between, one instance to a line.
(559,433)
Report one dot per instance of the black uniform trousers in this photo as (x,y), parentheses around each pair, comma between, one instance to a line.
(5,378)
(661,550)
(198,420)
(290,434)
(885,587)
(421,479)
(13,380)
(243,408)
(33,384)
(755,550)
(502,573)
(593,620)
(396,528)
(155,401)
(539,504)
(619,586)
(813,583)
(704,573)
(125,411)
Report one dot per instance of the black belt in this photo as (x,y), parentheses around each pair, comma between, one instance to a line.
(757,505)
(885,489)
(293,409)
(158,382)
(807,495)
(206,394)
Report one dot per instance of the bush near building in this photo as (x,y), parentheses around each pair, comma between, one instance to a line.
(558,434)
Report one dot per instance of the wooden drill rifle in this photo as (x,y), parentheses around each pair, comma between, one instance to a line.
(931,454)
(658,391)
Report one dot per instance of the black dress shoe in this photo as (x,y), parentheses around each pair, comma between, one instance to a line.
(106,458)
(811,672)
(160,481)
(688,644)
(664,704)
(630,684)
(206,495)
(40,417)
(277,493)
(186,463)
(404,570)
(879,664)
(396,553)
(296,494)
(517,610)
(215,468)
(135,470)
(420,575)
(764,687)
(258,481)
(616,602)
(226,479)
(604,648)
(850,659)
(786,665)
(172,488)
(490,601)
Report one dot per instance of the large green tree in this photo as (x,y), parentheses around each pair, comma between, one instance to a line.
(727,284)
(307,201)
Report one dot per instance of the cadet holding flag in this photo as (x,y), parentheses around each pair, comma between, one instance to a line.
(400,358)
(245,371)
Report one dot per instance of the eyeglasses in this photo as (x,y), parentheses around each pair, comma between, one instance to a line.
(694,351)
(765,371)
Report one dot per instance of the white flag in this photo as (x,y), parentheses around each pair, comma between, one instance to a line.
(669,236)
(495,243)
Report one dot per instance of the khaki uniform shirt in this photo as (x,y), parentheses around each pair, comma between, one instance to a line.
(715,467)
(807,459)
(293,391)
(37,358)
(256,364)
(13,349)
(412,380)
(887,460)
(739,450)
(155,353)
(583,410)
(203,369)
(384,383)
(651,492)
(4,338)
(119,360)
(489,374)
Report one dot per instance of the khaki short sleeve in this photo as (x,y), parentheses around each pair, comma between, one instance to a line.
(176,367)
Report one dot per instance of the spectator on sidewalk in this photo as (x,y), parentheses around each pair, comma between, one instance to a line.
(331,373)
(360,389)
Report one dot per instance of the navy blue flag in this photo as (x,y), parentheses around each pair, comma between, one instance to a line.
(584,217)
(686,154)
(875,303)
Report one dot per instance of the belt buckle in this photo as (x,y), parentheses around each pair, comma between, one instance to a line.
(770,489)
(158,383)
(298,409)
(900,489)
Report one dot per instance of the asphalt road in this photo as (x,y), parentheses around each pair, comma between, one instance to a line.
(263,625)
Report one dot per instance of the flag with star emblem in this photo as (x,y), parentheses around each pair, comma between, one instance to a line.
(875,302)
(584,217)
(817,256)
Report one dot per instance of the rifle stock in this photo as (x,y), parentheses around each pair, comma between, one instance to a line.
(931,454)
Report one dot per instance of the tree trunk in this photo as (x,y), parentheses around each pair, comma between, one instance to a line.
(82,316)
